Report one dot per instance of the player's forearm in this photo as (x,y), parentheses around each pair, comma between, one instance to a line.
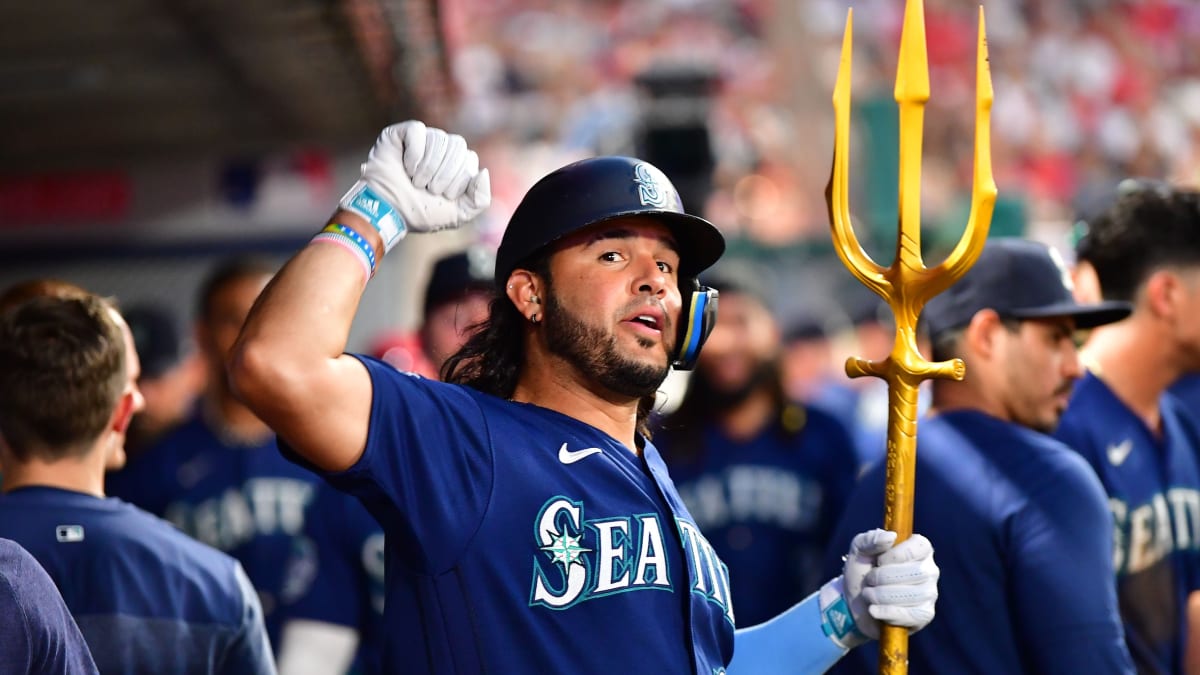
(792,643)
(302,319)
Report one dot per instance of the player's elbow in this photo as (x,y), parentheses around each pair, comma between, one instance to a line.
(259,378)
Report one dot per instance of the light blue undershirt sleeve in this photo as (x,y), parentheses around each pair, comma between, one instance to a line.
(790,644)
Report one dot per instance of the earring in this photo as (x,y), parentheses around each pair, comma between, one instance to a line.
(535,299)
(534,318)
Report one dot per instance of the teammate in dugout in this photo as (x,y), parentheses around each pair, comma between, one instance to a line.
(1021,520)
(1087,286)
(531,525)
(218,476)
(147,598)
(1138,437)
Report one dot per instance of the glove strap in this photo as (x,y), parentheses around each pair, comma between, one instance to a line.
(364,201)
(837,621)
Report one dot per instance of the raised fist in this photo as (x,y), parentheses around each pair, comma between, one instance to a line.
(420,179)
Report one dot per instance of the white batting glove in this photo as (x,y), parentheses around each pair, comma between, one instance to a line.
(880,583)
(418,179)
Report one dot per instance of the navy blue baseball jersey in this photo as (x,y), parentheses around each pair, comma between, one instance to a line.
(247,501)
(147,598)
(767,504)
(1187,390)
(1022,533)
(1153,485)
(37,633)
(521,540)
(338,571)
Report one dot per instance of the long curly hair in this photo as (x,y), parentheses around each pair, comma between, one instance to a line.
(492,358)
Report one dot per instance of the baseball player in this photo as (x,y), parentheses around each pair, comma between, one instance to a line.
(530,526)
(219,476)
(1141,442)
(147,598)
(1021,521)
(37,634)
(456,299)
(765,478)
(335,597)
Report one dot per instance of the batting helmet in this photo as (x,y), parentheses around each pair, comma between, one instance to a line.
(595,190)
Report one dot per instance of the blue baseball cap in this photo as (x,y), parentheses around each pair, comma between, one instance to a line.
(1019,279)
(457,274)
(156,338)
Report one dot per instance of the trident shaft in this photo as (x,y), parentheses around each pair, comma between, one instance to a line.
(907,284)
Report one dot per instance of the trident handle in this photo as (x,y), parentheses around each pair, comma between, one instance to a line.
(907,284)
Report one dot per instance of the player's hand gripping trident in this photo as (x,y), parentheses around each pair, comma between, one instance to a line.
(418,179)
(907,284)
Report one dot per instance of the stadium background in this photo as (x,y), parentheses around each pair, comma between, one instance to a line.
(140,140)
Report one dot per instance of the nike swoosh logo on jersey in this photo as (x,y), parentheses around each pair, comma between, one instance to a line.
(571,456)
(1117,452)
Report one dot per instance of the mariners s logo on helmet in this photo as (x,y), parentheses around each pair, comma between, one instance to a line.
(653,187)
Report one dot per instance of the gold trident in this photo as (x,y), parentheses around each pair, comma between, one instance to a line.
(907,284)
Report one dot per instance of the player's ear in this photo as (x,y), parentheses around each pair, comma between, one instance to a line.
(123,412)
(983,333)
(1086,283)
(1163,292)
(526,291)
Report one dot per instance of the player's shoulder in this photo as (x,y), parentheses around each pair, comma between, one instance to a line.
(160,552)
(815,418)
(25,587)
(817,437)
(1051,467)
(390,382)
(1175,406)
(963,433)
(130,532)
(18,568)
(1092,408)
(1098,426)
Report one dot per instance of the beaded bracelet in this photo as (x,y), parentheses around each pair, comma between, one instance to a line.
(358,239)
(348,244)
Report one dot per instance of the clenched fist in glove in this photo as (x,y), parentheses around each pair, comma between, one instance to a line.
(418,179)
(880,583)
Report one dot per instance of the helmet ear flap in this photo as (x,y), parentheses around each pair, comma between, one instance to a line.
(697,319)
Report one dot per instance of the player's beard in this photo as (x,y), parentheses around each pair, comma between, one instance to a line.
(595,353)
(717,398)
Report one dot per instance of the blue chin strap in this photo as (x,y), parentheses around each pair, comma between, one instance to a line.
(700,316)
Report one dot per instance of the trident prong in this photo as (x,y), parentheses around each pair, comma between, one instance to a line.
(907,284)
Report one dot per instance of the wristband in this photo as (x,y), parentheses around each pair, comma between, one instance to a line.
(358,239)
(348,244)
(837,621)
(364,201)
